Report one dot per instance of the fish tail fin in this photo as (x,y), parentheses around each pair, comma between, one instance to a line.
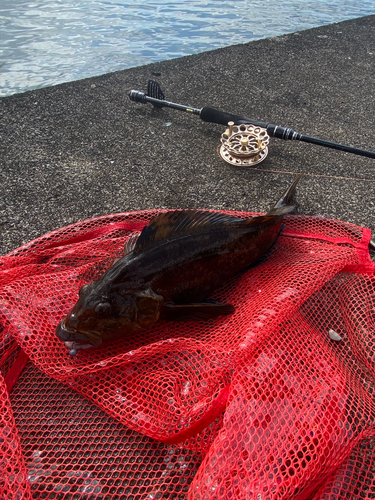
(283,206)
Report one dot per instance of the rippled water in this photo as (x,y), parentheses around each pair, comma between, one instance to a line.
(53,41)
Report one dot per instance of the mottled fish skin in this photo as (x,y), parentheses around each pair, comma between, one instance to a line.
(178,260)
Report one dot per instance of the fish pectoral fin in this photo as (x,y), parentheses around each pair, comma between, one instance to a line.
(131,243)
(195,312)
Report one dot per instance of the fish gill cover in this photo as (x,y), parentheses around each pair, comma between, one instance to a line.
(274,401)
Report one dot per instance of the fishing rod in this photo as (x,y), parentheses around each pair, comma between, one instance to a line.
(156,97)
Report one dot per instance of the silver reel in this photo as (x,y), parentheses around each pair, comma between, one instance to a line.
(244,145)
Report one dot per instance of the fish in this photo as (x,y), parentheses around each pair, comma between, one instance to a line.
(169,271)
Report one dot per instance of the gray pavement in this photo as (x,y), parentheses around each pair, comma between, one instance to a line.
(82,149)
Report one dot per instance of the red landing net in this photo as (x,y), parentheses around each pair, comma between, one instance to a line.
(267,403)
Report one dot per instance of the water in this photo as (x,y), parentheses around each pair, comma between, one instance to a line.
(45,42)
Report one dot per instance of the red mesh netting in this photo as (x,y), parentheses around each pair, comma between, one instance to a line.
(272,402)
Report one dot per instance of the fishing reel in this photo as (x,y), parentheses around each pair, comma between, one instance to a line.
(244,145)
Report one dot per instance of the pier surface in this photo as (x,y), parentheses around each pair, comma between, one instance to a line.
(82,149)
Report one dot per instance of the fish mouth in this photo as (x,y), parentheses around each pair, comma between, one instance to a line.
(74,340)
(73,346)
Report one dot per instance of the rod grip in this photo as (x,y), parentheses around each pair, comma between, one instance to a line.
(214,116)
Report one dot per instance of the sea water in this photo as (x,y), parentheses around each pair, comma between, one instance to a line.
(45,42)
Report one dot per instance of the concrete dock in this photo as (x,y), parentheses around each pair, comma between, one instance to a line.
(82,149)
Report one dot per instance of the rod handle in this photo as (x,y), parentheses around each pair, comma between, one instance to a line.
(214,116)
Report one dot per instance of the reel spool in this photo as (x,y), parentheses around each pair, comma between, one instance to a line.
(244,145)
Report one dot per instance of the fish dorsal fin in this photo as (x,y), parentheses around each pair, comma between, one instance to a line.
(167,224)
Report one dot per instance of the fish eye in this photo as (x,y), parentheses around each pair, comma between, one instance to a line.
(102,309)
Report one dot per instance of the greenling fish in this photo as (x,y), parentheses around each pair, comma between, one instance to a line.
(169,271)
